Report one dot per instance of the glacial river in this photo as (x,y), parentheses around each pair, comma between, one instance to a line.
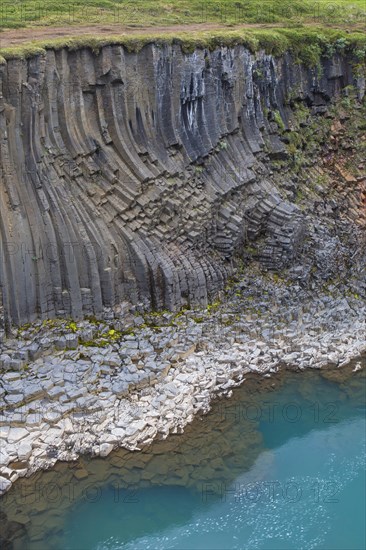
(279,465)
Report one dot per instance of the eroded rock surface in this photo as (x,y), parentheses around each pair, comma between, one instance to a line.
(140,176)
(91,400)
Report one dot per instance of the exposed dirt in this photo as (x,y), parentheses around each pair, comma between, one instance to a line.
(19,36)
(13,37)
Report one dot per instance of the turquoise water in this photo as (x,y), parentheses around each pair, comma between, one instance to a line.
(278,467)
(313,498)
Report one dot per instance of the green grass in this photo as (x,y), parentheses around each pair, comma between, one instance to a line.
(306,44)
(308,28)
(21,13)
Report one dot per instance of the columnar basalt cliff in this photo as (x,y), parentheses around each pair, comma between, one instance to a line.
(141,176)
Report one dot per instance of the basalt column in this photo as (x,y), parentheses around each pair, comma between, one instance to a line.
(140,176)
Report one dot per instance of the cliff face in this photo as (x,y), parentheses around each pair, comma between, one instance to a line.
(140,176)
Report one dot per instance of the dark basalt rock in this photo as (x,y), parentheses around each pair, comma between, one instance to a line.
(140,176)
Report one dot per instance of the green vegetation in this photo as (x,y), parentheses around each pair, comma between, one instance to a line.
(278,120)
(222,145)
(309,30)
(214,306)
(102,339)
(198,319)
(72,326)
(103,333)
(309,133)
(164,12)
(250,250)
(307,45)
(334,143)
(198,170)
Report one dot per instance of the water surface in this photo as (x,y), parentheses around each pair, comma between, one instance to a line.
(280,465)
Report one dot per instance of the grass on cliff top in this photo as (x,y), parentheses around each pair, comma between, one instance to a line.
(150,13)
(307,44)
(308,28)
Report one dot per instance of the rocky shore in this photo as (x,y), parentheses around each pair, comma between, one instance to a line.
(285,234)
(69,389)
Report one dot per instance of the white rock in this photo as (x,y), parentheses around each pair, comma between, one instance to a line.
(4,431)
(105,449)
(5,485)
(52,436)
(66,422)
(118,433)
(4,457)
(16,434)
(24,450)
(136,427)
